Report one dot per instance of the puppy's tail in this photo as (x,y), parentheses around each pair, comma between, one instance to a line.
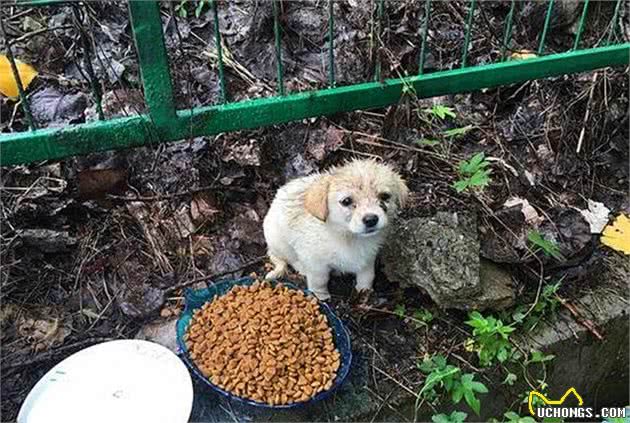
(280,267)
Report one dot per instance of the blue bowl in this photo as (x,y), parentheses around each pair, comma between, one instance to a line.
(197,298)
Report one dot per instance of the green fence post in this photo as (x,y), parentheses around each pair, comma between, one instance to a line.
(469,23)
(425,32)
(153,60)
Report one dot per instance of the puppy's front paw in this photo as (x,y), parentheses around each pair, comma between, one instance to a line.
(274,274)
(322,295)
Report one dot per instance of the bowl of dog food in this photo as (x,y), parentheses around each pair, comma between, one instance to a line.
(264,344)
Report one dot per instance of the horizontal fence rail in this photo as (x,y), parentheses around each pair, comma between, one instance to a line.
(165,123)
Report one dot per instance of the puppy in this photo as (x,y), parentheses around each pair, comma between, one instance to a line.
(336,220)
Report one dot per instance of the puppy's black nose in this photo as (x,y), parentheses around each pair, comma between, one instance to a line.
(370,220)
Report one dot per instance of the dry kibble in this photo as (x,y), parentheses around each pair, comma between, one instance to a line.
(268,344)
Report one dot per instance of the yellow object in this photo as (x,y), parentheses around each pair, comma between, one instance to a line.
(617,234)
(8,84)
(522,55)
(533,394)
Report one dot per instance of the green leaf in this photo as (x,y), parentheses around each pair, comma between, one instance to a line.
(423,315)
(474,164)
(538,357)
(509,379)
(480,178)
(549,248)
(427,142)
(461,185)
(455,132)
(442,111)
(399,310)
(455,417)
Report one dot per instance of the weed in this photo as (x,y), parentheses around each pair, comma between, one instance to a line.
(512,417)
(546,306)
(549,248)
(491,338)
(441,111)
(459,386)
(422,317)
(473,173)
(181,8)
(456,132)
(400,310)
(454,417)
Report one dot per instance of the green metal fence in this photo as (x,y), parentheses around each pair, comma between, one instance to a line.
(165,123)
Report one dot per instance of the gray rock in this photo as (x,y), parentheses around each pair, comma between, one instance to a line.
(440,254)
(161,332)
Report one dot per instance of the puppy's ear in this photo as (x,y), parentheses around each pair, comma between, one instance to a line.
(316,198)
(403,193)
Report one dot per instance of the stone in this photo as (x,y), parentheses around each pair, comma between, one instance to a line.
(161,332)
(440,255)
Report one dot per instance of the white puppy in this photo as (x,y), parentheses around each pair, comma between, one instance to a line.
(335,220)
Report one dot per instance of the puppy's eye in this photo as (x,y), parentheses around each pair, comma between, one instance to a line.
(384,196)
(346,202)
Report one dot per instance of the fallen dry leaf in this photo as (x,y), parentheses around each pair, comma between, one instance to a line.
(617,234)
(596,215)
(55,108)
(8,83)
(523,55)
(531,215)
(203,207)
(95,183)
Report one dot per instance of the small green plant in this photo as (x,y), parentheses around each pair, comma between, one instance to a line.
(539,357)
(422,317)
(509,379)
(441,375)
(400,310)
(547,305)
(512,417)
(441,111)
(491,338)
(454,417)
(457,132)
(181,8)
(549,248)
(473,173)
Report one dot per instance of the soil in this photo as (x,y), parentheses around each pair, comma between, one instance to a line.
(112,239)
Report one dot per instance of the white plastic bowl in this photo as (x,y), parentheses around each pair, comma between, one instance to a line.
(118,381)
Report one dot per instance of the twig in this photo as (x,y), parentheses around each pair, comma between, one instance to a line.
(50,354)
(586,114)
(588,324)
(177,194)
(214,275)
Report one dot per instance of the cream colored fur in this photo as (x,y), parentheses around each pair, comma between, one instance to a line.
(309,228)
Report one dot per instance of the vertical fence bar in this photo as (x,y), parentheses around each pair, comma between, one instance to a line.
(507,37)
(614,22)
(87,49)
(541,46)
(425,32)
(219,47)
(276,33)
(153,61)
(23,100)
(331,44)
(469,22)
(377,66)
(580,28)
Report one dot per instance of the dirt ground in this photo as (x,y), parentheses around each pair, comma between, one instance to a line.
(95,247)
